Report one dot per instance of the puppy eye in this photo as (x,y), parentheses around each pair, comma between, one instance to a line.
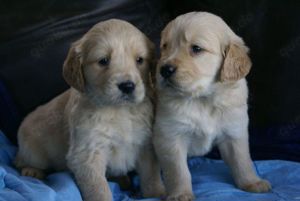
(139,60)
(164,46)
(196,49)
(104,61)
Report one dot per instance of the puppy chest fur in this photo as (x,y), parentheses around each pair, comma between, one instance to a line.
(119,132)
(202,122)
(192,121)
(130,131)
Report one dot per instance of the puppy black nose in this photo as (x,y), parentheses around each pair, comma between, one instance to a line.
(167,70)
(127,87)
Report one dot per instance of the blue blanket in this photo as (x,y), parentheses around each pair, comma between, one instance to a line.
(211,182)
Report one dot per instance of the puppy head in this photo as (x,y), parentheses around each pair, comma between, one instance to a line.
(198,50)
(110,63)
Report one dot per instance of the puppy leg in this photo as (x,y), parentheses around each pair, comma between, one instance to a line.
(34,166)
(235,153)
(89,168)
(172,155)
(149,172)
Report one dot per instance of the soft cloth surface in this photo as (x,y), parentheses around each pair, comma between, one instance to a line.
(211,181)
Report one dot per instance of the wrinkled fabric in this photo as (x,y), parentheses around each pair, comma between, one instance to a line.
(211,181)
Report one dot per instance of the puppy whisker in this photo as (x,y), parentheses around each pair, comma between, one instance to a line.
(174,86)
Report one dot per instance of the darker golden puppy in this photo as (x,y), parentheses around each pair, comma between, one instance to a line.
(103,124)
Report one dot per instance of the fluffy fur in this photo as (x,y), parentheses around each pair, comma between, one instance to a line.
(94,129)
(204,103)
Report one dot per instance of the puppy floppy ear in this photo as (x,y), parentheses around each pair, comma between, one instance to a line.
(236,64)
(72,68)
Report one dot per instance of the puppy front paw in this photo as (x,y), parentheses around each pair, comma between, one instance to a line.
(154,191)
(33,172)
(261,186)
(181,197)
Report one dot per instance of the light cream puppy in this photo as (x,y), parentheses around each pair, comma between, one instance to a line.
(101,126)
(202,101)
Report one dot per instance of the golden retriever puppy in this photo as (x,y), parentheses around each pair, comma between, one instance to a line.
(202,102)
(102,126)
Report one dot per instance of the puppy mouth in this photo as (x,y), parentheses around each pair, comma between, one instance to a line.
(171,84)
(127,98)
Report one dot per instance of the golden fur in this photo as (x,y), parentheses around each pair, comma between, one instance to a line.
(203,103)
(93,128)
